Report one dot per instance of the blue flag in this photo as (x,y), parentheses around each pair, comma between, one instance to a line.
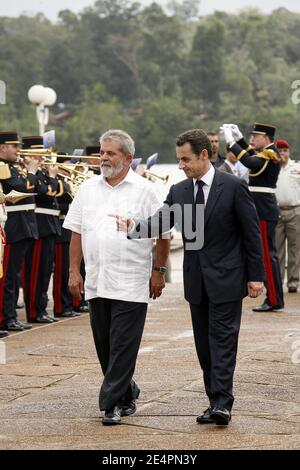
(135,163)
(49,139)
(151,160)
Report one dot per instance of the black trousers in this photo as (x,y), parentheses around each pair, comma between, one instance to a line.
(273,282)
(117,329)
(216,329)
(38,269)
(63,299)
(14,254)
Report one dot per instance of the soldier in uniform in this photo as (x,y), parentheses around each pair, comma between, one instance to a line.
(63,299)
(264,161)
(3,219)
(40,258)
(20,227)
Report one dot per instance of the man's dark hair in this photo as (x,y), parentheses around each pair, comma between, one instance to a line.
(198,140)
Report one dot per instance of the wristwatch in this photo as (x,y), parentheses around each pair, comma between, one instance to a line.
(160,269)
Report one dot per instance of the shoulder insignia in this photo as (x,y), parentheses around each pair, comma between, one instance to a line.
(269,154)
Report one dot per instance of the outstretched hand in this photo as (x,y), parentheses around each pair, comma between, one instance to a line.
(124,224)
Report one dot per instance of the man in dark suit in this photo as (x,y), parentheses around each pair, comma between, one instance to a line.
(220,269)
(229,165)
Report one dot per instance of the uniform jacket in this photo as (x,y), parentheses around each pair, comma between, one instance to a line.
(48,224)
(264,170)
(64,202)
(20,225)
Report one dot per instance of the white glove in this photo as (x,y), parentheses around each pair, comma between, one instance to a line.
(236,132)
(227,132)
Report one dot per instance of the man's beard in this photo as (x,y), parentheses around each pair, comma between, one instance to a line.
(109,171)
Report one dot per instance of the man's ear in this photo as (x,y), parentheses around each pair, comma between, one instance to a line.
(204,154)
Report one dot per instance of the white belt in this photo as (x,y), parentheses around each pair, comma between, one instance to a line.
(261,189)
(62,217)
(21,207)
(42,210)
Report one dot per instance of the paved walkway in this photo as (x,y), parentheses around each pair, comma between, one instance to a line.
(50,383)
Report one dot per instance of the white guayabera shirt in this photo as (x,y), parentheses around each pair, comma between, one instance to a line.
(116,268)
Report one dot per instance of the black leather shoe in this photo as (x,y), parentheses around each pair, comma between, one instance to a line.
(128,404)
(26,326)
(112,416)
(14,326)
(84,307)
(221,416)
(68,314)
(205,418)
(45,319)
(267,308)
(76,313)
(292,290)
(3,334)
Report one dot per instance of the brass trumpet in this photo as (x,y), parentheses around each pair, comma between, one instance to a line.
(50,154)
(153,176)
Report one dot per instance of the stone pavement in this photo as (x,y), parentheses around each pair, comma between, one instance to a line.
(50,383)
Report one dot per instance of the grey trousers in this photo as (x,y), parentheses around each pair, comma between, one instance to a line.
(288,232)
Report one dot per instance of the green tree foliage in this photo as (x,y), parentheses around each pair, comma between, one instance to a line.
(152,72)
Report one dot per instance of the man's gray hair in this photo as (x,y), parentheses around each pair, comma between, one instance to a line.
(127,145)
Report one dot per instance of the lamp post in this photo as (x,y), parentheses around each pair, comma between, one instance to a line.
(42,97)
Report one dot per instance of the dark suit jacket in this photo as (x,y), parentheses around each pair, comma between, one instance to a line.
(232,252)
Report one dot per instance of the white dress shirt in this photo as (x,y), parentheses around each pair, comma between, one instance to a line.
(207,179)
(116,268)
(288,185)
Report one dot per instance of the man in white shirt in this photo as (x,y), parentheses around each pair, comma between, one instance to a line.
(117,270)
(288,227)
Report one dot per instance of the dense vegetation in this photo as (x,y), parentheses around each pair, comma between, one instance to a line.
(152,72)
